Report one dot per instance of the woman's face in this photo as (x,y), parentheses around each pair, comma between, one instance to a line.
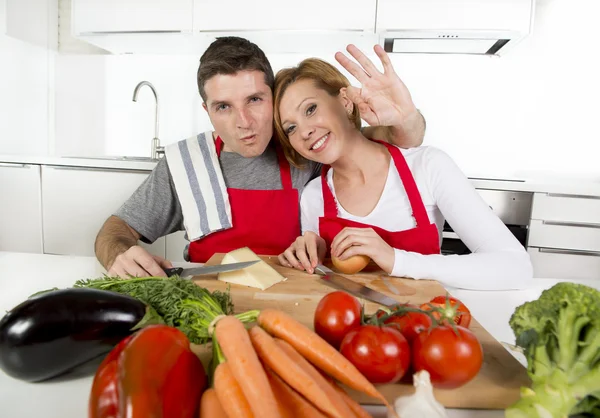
(315,122)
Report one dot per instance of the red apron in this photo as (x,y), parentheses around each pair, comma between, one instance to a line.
(266,221)
(423,239)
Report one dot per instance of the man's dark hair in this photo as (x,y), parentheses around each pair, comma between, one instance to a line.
(228,55)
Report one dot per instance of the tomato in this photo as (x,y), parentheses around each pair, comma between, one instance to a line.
(381,354)
(337,314)
(452,360)
(455,310)
(410,323)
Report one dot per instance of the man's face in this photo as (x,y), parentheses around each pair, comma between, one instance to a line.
(240,107)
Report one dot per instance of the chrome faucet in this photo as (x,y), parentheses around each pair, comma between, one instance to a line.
(157,149)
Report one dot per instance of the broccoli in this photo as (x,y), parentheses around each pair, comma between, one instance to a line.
(560,333)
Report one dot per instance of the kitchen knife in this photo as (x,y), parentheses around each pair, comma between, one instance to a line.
(357,289)
(198,271)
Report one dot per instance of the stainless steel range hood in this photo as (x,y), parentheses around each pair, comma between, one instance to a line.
(489,27)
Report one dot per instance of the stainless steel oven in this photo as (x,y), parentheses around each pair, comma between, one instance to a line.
(512,207)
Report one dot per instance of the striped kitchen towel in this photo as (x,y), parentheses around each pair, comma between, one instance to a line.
(199,184)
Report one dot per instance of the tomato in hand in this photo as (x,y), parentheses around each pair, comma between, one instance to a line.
(410,323)
(455,310)
(337,314)
(381,354)
(451,357)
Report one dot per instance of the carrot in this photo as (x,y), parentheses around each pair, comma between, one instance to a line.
(291,403)
(210,407)
(327,389)
(316,350)
(358,410)
(291,372)
(235,343)
(229,393)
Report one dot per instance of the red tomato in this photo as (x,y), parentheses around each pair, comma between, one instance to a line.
(457,311)
(452,360)
(409,324)
(381,354)
(337,314)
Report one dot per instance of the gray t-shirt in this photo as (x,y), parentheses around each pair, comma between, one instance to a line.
(154,210)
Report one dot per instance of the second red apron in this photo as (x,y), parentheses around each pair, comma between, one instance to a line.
(423,239)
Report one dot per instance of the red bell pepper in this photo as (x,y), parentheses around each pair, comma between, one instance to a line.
(152,374)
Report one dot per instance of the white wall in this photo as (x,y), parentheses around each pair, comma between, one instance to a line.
(26,94)
(523,115)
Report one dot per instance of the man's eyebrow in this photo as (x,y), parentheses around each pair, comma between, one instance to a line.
(257,94)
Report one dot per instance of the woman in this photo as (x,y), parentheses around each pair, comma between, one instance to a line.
(378,200)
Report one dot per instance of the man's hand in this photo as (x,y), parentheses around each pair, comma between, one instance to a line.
(363,241)
(383,99)
(136,261)
(305,253)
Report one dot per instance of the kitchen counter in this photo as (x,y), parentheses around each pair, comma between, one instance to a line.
(23,274)
(108,162)
(546,185)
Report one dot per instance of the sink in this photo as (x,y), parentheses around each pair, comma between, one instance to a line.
(116,158)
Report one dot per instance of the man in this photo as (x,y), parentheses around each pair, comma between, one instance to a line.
(235,81)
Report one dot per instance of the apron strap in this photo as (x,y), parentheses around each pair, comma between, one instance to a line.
(329,206)
(284,167)
(414,197)
(219,145)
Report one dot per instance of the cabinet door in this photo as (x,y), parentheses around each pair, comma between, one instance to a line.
(132,15)
(20,208)
(175,246)
(78,200)
(33,21)
(210,15)
(454,15)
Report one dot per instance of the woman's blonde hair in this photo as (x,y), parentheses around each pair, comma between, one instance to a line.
(326,77)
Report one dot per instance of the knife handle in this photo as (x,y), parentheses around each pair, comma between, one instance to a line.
(173,271)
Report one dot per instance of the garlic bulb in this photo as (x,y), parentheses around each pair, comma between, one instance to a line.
(422,403)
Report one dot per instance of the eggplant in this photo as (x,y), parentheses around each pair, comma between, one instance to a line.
(54,332)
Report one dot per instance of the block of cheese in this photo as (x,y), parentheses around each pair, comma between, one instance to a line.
(259,275)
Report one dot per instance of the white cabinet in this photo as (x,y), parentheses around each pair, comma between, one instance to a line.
(20,208)
(278,15)
(310,26)
(99,16)
(33,21)
(564,236)
(176,246)
(78,200)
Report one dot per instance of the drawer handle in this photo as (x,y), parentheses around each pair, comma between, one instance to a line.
(569,252)
(83,168)
(14,165)
(450,235)
(572,196)
(577,224)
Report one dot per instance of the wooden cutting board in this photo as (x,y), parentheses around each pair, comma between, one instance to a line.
(495,387)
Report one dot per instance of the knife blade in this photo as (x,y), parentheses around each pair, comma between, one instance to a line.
(357,289)
(199,271)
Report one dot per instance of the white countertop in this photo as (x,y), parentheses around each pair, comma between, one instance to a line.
(24,274)
(108,162)
(545,185)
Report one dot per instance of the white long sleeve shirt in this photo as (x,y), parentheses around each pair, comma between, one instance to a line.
(497,260)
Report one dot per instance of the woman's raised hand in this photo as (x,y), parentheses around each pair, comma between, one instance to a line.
(383,99)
